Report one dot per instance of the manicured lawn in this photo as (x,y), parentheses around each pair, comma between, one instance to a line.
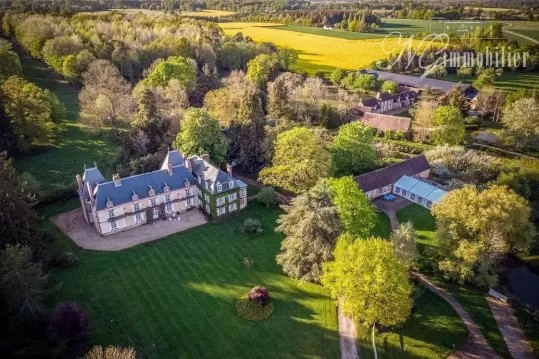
(471,298)
(383,226)
(434,330)
(75,145)
(509,81)
(174,298)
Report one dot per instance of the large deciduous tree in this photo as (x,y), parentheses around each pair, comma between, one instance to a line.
(261,67)
(371,281)
(355,211)
(522,119)
(11,65)
(105,98)
(449,126)
(404,243)
(424,119)
(298,162)
(175,67)
(200,134)
(353,150)
(475,229)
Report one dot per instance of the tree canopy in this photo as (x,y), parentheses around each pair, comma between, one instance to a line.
(200,134)
(449,126)
(353,150)
(372,282)
(174,67)
(299,161)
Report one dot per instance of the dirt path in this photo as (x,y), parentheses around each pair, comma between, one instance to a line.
(514,337)
(477,346)
(347,335)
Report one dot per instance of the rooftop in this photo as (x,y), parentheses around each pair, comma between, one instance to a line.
(416,82)
(421,189)
(387,122)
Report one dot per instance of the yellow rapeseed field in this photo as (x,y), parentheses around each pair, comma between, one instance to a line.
(317,52)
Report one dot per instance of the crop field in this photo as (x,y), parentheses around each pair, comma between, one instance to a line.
(509,81)
(319,52)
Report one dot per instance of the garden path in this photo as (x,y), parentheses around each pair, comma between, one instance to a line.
(347,335)
(514,337)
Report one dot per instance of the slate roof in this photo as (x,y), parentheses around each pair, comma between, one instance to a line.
(140,184)
(391,174)
(93,177)
(174,158)
(386,122)
(416,82)
(212,176)
(369,102)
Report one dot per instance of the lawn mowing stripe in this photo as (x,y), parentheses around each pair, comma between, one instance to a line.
(164,309)
(209,280)
(158,265)
(255,273)
(201,309)
(140,299)
(230,269)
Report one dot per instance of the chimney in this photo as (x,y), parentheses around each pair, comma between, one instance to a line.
(378,95)
(188,166)
(229,169)
(117,180)
(169,169)
(79,181)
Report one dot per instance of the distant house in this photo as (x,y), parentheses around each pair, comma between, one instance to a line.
(420,192)
(380,182)
(386,122)
(384,102)
(180,185)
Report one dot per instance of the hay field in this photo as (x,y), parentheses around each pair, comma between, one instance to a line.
(318,53)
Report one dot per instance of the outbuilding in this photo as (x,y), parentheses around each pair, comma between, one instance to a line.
(420,192)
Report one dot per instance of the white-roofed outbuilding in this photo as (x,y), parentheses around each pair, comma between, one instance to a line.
(420,192)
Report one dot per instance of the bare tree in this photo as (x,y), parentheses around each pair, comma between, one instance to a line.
(490,100)
(424,122)
(105,98)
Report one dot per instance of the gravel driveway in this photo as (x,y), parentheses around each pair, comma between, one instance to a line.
(75,226)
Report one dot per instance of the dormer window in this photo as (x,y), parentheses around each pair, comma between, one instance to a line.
(230,184)
(151,191)
(134,197)
(109,203)
(187,183)
(166,189)
(219,187)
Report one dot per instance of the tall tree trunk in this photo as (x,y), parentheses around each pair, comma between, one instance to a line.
(374,342)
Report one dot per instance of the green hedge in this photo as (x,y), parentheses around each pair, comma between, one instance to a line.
(252,310)
(405,146)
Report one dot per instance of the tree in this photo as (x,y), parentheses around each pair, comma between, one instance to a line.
(365,82)
(404,243)
(424,119)
(58,110)
(456,98)
(353,151)
(105,98)
(200,134)
(449,126)
(486,77)
(490,100)
(337,76)
(522,118)
(268,197)
(299,161)
(311,225)
(30,112)
(371,281)
(11,65)
(260,68)
(110,352)
(17,218)
(68,331)
(287,57)
(476,229)
(22,283)
(390,86)
(354,209)
(175,67)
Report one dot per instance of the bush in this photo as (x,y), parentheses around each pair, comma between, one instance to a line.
(268,197)
(68,331)
(471,120)
(111,352)
(259,294)
(251,226)
(248,262)
(256,305)
(65,259)
(404,146)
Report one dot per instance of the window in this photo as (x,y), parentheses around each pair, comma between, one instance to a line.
(221,200)
(199,180)
(380,190)
(412,197)
(397,190)
(221,211)
(243,192)
(111,213)
(188,202)
(207,197)
(112,223)
(137,216)
(419,200)
(403,193)
(232,207)
(187,192)
(156,213)
(232,197)
(230,184)
(429,204)
(219,187)
(168,204)
(200,194)
(208,208)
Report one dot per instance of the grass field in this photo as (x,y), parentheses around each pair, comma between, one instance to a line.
(174,298)
(75,145)
(472,299)
(318,52)
(509,81)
